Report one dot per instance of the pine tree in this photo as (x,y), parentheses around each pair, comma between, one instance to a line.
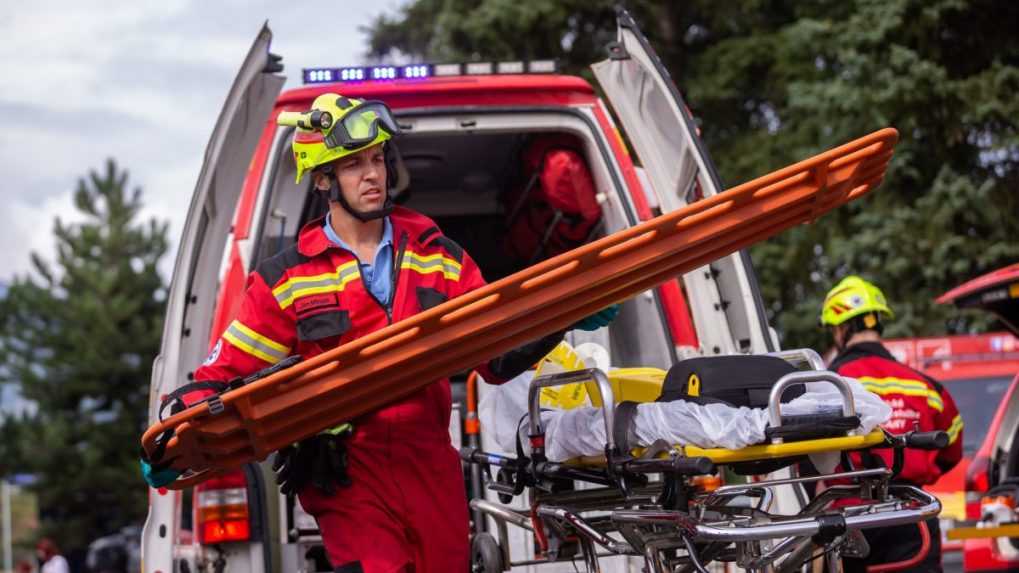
(775,81)
(78,340)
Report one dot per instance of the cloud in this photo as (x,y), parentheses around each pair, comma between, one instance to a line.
(141,82)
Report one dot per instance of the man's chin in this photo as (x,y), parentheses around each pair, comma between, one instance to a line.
(370,206)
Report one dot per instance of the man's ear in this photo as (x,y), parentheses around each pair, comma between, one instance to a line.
(321,181)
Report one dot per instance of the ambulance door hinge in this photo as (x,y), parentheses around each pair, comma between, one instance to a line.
(274,64)
(617,51)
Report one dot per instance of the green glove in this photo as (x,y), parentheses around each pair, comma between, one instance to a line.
(597,320)
(158,476)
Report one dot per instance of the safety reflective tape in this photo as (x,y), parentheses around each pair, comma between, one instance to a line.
(296,287)
(954,429)
(886,386)
(425,264)
(255,344)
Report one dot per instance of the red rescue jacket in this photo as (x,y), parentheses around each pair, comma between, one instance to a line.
(311,298)
(918,402)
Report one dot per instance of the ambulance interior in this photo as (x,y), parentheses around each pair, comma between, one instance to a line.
(490,192)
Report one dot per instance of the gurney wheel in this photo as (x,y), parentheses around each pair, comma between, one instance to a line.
(486,556)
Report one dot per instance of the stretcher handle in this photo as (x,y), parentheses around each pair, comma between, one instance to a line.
(926,440)
(697,465)
(775,399)
(919,440)
(795,356)
(608,401)
(476,456)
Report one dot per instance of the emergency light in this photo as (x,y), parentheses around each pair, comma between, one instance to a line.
(421,71)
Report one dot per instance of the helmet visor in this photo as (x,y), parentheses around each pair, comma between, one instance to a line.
(360,126)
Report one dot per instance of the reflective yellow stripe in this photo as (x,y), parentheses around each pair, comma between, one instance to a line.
(437,263)
(955,429)
(255,344)
(886,386)
(296,287)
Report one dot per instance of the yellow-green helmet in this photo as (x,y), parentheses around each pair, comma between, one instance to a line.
(335,127)
(850,298)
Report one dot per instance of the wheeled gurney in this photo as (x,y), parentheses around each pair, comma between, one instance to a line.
(674,524)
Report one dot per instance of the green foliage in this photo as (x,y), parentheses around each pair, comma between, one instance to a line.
(773,82)
(78,340)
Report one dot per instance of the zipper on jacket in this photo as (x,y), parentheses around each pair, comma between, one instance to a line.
(395,271)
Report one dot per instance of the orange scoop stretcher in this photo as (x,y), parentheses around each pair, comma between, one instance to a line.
(250,422)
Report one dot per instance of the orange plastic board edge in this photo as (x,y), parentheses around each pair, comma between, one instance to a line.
(391,363)
(1007,530)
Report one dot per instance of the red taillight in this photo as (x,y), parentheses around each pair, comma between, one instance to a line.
(221,509)
(978,481)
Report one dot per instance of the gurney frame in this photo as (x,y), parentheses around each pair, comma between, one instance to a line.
(671,524)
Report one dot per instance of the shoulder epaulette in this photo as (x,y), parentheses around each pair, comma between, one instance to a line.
(272,269)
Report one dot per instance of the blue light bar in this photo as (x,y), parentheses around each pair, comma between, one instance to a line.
(416,71)
(351,74)
(421,71)
(360,74)
(317,76)
(383,73)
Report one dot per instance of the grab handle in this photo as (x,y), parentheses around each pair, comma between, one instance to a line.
(927,440)
(797,356)
(775,399)
(576,376)
(675,465)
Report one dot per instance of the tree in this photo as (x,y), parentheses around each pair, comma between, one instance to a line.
(775,81)
(78,340)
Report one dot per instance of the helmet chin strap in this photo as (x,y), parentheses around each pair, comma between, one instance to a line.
(364,216)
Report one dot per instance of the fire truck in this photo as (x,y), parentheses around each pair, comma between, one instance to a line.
(466,131)
(984,377)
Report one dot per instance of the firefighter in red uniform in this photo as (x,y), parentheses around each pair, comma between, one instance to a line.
(386,490)
(854,311)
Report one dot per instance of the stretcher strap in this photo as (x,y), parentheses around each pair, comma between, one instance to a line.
(622,421)
(390,364)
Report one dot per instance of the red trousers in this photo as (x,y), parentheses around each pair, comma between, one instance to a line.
(405,510)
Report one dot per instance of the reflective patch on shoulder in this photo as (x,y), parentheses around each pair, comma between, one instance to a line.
(214,355)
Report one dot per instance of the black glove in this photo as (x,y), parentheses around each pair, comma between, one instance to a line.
(321,460)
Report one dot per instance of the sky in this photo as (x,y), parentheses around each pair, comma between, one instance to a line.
(143,83)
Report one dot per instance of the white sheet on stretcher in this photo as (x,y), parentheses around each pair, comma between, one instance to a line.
(581,431)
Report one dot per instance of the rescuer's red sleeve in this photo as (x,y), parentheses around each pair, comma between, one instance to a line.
(260,336)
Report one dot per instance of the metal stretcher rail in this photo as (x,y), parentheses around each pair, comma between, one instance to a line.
(799,527)
(250,422)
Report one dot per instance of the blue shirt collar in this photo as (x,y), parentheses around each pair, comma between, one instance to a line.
(387,235)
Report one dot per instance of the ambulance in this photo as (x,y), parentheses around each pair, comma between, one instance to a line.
(474,155)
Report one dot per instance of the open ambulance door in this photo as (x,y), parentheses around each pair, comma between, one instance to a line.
(206,233)
(724,299)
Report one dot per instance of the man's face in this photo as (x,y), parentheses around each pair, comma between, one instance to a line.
(362,178)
